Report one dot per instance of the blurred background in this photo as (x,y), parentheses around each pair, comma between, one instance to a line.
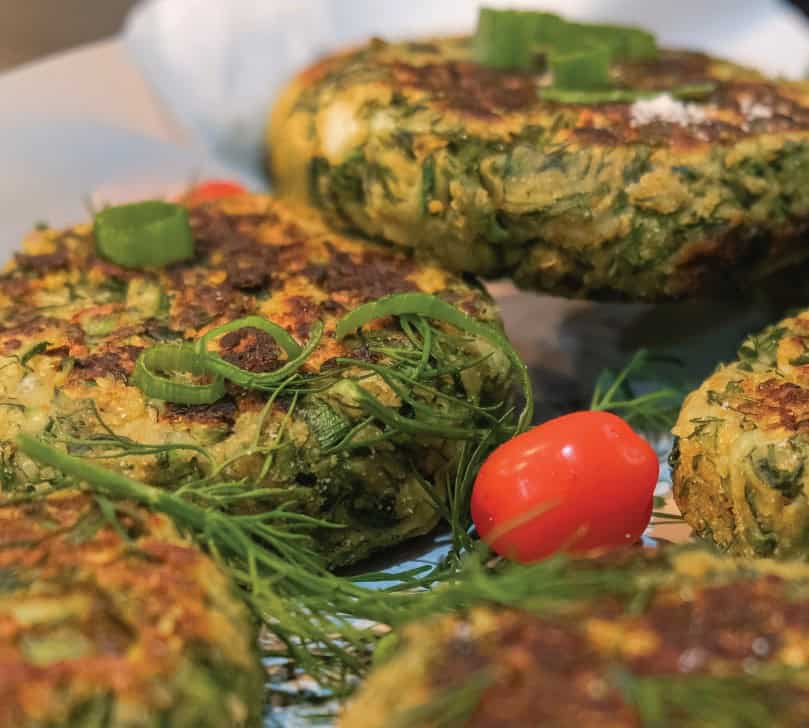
(30,29)
(33,28)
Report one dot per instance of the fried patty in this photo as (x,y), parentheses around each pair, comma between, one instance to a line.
(112,619)
(72,327)
(692,640)
(416,143)
(741,464)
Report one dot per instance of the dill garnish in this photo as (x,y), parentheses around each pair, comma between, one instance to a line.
(450,709)
(699,700)
(327,624)
(423,382)
(637,395)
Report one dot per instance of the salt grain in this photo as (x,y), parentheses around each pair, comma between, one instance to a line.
(665,108)
(753,111)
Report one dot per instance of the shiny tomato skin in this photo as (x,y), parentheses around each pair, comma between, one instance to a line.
(581,481)
(214,189)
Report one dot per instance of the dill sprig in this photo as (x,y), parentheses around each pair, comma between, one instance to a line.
(646,396)
(326,623)
(269,555)
(701,700)
(451,708)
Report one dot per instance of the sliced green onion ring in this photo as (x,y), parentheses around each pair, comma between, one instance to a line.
(146,234)
(432,307)
(279,334)
(258,380)
(163,359)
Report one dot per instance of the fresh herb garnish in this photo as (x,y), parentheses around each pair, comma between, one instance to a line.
(144,234)
(175,359)
(506,39)
(635,393)
(312,612)
(35,350)
(451,708)
(264,380)
(721,702)
(577,55)
(513,39)
(564,95)
(432,307)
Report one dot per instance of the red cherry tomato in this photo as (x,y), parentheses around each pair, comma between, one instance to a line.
(213,189)
(581,481)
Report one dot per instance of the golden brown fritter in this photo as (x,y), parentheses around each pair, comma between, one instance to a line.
(659,199)
(73,325)
(740,466)
(118,622)
(687,639)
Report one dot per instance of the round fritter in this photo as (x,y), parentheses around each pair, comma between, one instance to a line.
(96,630)
(72,327)
(741,464)
(661,199)
(692,640)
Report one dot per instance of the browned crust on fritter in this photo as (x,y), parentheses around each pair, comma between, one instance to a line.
(543,674)
(252,252)
(468,87)
(477,92)
(778,404)
(716,264)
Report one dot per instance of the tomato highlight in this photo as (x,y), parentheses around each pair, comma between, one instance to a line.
(214,189)
(582,481)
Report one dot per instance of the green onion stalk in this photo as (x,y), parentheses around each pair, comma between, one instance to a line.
(578,56)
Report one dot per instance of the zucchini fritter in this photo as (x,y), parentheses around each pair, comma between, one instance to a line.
(687,639)
(661,199)
(73,325)
(741,464)
(108,629)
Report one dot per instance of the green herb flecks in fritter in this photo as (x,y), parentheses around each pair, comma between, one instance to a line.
(741,463)
(636,638)
(356,437)
(662,198)
(108,618)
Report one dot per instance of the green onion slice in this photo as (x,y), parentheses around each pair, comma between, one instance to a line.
(297,354)
(164,359)
(511,39)
(144,234)
(505,39)
(429,306)
(279,334)
(686,92)
(624,42)
(585,68)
